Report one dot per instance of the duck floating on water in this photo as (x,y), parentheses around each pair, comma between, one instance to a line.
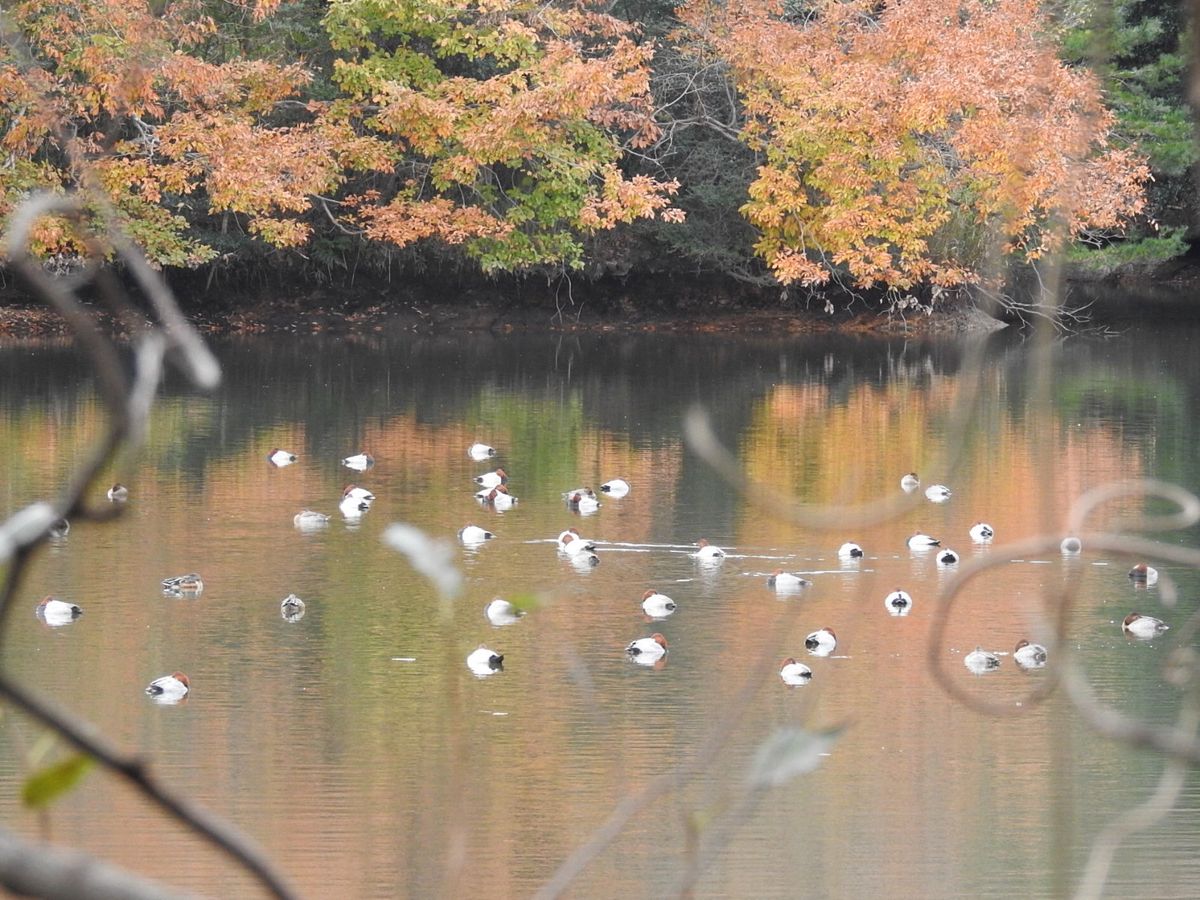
(1144,627)
(850,550)
(280,458)
(648,648)
(821,642)
(57,612)
(793,672)
(360,462)
(1144,574)
(169,688)
(898,603)
(489,480)
(118,493)
(980,661)
(708,552)
(179,585)
(947,557)
(473,534)
(785,582)
(480,452)
(981,532)
(500,612)
(938,493)
(910,482)
(291,608)
(1028,655)
(922,542)
(617,488)
(308,519)
(484,661)
(1071,546)
(656,605)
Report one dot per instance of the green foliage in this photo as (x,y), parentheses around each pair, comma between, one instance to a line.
(1168,244)
(46,785)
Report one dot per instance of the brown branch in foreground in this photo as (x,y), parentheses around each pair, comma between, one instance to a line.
(31,869)
(91,742)
(128,401)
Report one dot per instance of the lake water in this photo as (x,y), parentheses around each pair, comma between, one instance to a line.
(358,748)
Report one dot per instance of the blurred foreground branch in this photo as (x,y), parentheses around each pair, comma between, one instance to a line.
(128,398)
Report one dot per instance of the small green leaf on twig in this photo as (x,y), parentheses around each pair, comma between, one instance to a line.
(789,752)
(45,785)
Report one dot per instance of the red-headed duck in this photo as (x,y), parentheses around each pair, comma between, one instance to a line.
(910,482)
(1028,655)
(648,648)
(118,493)
(280,458)
(793,672)
(656,605)
(708,551)
(1144,627)
(584,501)
(1144,574)
(499,498)
(57,612)
(170,688)
(491,479)
(821,642)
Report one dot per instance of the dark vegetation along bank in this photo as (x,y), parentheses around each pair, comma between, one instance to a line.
(505,164)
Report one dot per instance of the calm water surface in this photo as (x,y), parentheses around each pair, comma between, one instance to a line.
(356,746)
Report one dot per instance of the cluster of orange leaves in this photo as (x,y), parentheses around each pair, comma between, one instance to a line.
(117,95)
(905,139)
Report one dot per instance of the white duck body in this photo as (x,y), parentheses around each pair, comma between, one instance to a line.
(483,661)
(786,582)
(937,493)
(982,532)
(980,661)
(359,462)
(617,488)
(480,452)
(473,534)
(648,648)
(1029,656)
(57,612)
(795,673)
(656,605)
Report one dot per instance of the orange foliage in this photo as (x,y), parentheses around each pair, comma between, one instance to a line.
(898,136)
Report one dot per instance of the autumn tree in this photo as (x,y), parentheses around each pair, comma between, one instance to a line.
(507,119)
(903,141)
(498,125)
